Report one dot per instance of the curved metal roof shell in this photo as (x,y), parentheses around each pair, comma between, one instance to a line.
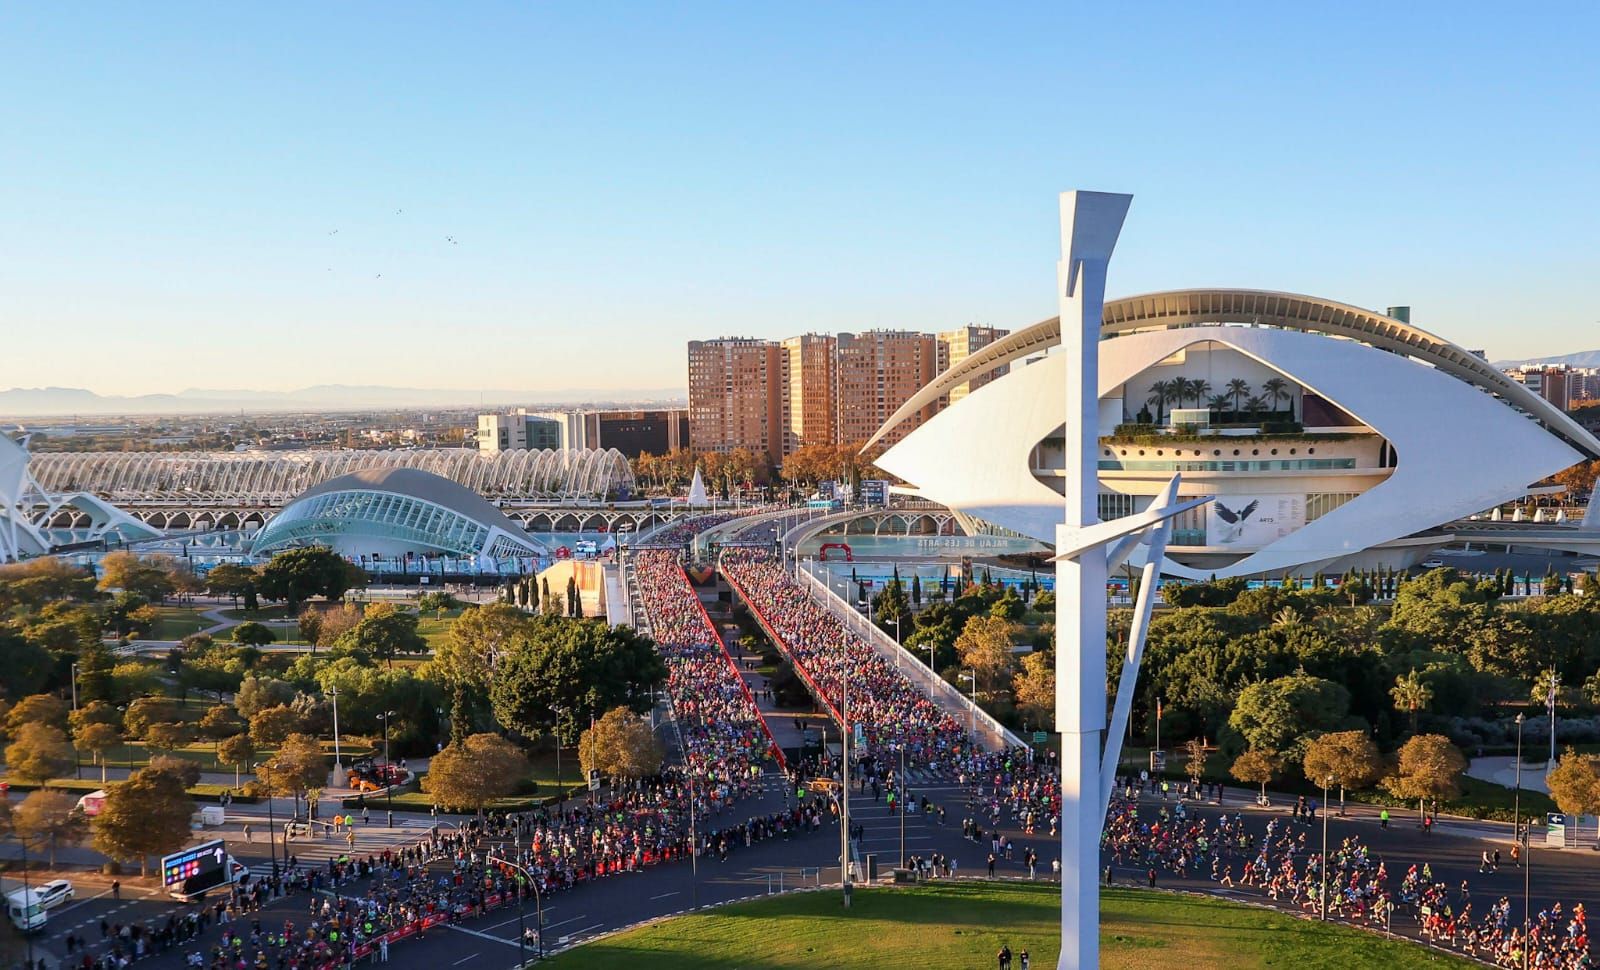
(1291,311)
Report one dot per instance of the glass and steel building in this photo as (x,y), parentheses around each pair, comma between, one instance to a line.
(387,512)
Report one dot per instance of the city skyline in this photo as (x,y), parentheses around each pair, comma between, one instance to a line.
(550,198)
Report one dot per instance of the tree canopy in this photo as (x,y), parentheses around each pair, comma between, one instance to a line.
(295,575)
(146,815)
(471,773)
(582,667)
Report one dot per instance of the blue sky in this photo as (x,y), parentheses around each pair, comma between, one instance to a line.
(205,195)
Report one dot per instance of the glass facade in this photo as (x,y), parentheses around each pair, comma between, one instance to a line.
(383,515)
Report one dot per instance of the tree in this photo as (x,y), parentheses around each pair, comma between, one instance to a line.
(477,640)
(298,767)
(273,725)
(256,694)
(37,709)
(95,712)
(1276,389)
(310,624)
(51,815)
(238,751)
(1195,748)
(146,815)
(1575,784)
(221,722)
(1349,758)
(1277,714)
(384,634)
(252,634)
(471,773)
(985,646)
(40,752)
(97,738)
(891,605)
(295,575)
(621,745)
(151,578)
(1427,767)
(1035,688)
(335,623)
(147,711)
(1257,767)
(572,596)
(28,666)
(1237,389)
(230,580)
(165,736)
(187,772)
(1412,694)
(584,668)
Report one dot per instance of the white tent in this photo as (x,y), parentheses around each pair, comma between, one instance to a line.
(697,490)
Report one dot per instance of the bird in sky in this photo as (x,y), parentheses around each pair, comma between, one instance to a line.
(334,233)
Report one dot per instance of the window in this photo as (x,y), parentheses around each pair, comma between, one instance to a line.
(1114,505)
(1319,504)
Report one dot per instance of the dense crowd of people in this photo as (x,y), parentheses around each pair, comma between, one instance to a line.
(725,739)
(1360,888)
(890,709)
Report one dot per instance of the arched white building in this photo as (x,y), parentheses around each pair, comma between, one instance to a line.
(1327,436)
(27,509)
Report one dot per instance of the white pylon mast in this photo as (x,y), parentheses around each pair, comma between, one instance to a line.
(1090,224)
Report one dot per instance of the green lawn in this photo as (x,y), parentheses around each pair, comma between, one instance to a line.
(964,925)
(135,754)
(434,628)
(177,622)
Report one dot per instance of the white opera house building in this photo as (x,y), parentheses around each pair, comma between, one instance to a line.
(1327,437)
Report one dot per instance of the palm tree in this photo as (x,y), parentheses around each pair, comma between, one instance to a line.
(1255,405)
(1411,693)
(1218,403)
(1199,388)
(1276,389)
(1237,388)
(1177,391)
(1160,394)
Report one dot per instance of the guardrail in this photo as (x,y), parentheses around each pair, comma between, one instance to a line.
(940,691)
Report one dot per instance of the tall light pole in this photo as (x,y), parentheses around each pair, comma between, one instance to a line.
(844,778)
(527,878)
(900,779)
(1527,841)
(385,718)
(1324,894)
(338,768)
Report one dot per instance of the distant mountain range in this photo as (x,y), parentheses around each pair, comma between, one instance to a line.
(1583,358)
(21,402)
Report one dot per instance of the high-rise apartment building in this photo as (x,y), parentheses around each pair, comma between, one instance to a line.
(879,370)
(1550,383)
(955,346)
(810,383)
(735,395)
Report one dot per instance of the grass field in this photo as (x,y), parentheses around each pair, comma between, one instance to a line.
(964,925)
(177,622)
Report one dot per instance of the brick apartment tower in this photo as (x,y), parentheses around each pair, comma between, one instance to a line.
(735,395)
(878,371)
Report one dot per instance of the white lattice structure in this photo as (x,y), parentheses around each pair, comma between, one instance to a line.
(26,506)
(276,477)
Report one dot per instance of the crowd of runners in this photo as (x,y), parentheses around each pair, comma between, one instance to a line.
(1282,864)
(725,739)
(890,710)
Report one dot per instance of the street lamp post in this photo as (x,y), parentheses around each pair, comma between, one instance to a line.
(844,782)
(385,717)
(522,897)
(272,824)
(1527,843)
(333,693)
(77,759)
(901,780)
(1326,782)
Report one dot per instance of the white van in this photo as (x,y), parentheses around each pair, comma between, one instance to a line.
(29,909)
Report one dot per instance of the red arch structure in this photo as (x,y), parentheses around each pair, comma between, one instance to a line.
(822,553)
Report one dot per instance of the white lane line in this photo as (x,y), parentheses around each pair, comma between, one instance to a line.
(547,911)
(470,956)
(664,895)
(584,930)
(550,926)
(481,936)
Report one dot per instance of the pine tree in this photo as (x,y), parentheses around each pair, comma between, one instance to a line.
(533,594)
(572,596)
(916,589)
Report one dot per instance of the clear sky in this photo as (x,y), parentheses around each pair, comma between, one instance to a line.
(205,195)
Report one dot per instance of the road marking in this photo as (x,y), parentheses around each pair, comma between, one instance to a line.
(550,926)
(481,936)
(664,895)
(588,928)
(547,911)
(470,956)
